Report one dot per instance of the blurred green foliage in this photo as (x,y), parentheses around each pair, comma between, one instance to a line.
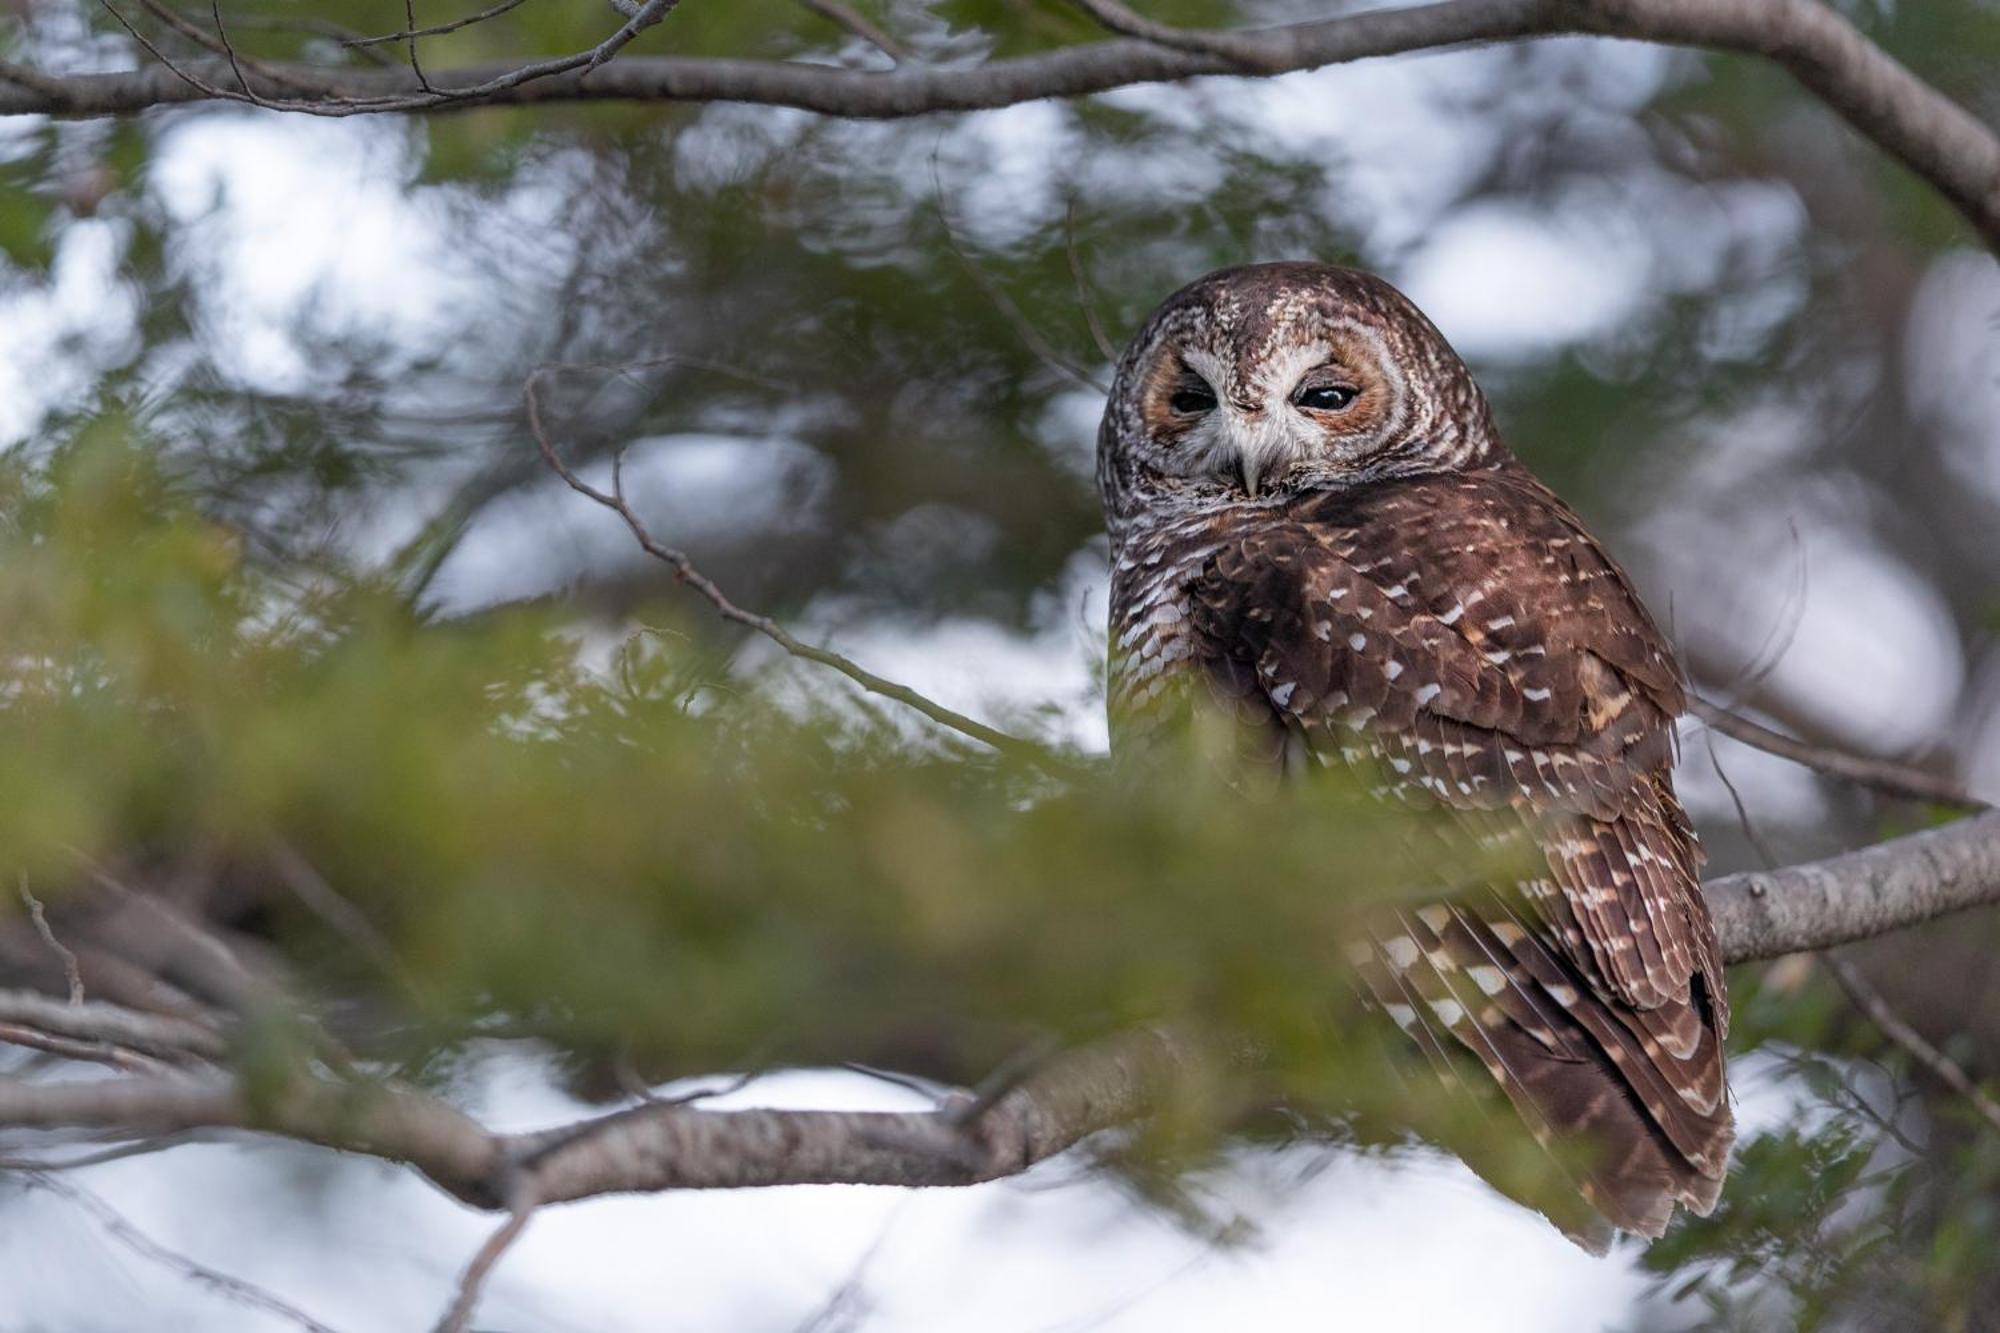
(639,857)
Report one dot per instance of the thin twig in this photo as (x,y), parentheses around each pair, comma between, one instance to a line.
(1245,50)
(521,1208)
(1024,328)
(68,1048)
(72,972)
(1884,775)
(161,1036)
(324,901)
(847,17)
(223,1284)
(1879,1012)
(435,30)
(1008,1075)
(416,65)
(1105,347)
(202,86)
(1750,833)
(686,572)
(927,1089)
(117,1153)
(650,13)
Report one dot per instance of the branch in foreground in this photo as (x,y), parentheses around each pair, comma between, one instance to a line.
(660,1145)
(664,1145)
(1905,117)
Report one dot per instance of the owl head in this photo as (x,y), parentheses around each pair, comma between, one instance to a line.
(1255,383)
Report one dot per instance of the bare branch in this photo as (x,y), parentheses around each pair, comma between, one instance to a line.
(686,572)
(660,1146)
(435,30)
(1024,328)
(166,1038)
(852,20)
(1884,775)
(1945,1069)
(1905,117)
(233,1288)
(1038,1109)
(459,1316)
(1764,914)
(72,973)
(1105,347)
(325,902)
(1250,52)
(649,13)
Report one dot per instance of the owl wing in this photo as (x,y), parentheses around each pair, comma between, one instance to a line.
(1466,637)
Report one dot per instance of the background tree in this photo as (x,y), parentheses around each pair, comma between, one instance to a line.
(353,766)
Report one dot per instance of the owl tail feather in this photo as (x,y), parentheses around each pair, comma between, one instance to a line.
(1630,1124)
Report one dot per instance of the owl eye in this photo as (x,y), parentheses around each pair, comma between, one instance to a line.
(1192,400)
(1326,397)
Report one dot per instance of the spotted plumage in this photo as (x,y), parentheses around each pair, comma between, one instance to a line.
(1316,528)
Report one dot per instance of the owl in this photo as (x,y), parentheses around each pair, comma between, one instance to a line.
(1316,528)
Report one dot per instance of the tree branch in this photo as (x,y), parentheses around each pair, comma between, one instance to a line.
(157,1035)
(662,1145)
(1905,117)
(1884,775)
(1766,913)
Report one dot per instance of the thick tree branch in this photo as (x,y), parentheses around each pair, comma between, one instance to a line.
(666,1145)
(1765,913)
(1878,96)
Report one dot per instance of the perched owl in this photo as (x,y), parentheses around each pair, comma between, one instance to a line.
(1315,525)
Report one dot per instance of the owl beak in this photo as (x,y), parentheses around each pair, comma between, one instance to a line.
(1252,469)
(1261,450)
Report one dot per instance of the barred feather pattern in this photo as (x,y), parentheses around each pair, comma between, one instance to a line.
(1462,636)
